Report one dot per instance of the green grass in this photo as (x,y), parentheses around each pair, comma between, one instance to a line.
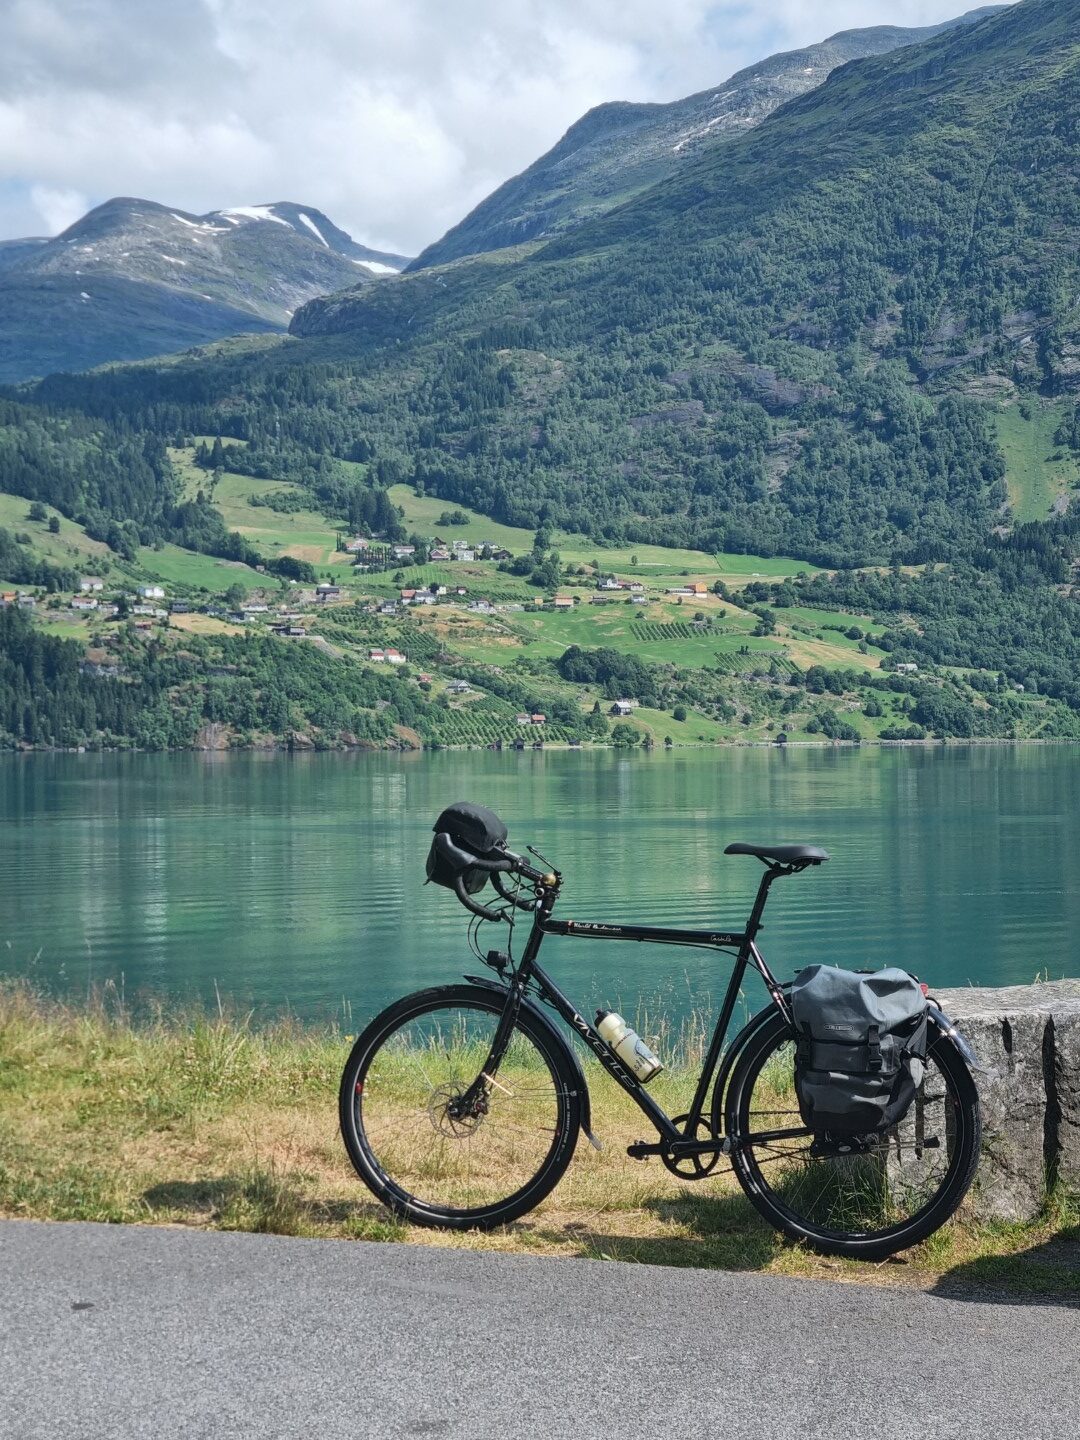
(71,547)
(422,515)
(184,569)
(1037,471)
(204,1120)
(305,534)
(655,561)
(550,633)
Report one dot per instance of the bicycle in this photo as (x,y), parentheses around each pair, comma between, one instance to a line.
(461,1105)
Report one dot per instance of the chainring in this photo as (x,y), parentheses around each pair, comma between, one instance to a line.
(693,1167)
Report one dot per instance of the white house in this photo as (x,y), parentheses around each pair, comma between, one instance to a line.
(91,582)
(152,592)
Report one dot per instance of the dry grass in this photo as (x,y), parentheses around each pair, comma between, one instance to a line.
(205,1121)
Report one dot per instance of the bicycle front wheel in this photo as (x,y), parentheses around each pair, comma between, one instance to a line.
(888,1193)
(407,1135)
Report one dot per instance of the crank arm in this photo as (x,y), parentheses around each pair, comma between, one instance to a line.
(678,1149)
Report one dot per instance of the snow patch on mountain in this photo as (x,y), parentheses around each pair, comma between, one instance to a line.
(253,212)
(307,220)
(200,225)
(376,268)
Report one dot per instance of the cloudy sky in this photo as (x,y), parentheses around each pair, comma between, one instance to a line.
(394,117)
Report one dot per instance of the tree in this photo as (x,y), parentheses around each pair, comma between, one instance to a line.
(679,713)
(54,525)
(624,736)
(37,511)
(235,596)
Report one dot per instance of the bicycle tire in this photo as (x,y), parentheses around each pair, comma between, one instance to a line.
(562,1105)
(959,1111)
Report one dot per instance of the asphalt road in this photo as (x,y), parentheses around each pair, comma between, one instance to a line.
(138,1333)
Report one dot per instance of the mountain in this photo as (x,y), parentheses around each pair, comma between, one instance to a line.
(817,339)
(12,251)
(792,345)
(133,278)
(618,150)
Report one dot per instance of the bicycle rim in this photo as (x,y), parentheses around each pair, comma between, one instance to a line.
(889,1192)
(420,1154)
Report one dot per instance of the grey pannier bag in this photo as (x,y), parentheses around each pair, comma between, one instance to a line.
(860,1049)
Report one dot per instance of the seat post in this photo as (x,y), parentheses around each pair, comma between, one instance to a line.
(753,925)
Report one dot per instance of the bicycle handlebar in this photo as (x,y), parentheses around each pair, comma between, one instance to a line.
(507,863)
(484,911)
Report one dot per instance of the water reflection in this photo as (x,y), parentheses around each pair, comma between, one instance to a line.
(297,882)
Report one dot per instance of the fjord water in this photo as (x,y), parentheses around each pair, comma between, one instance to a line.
(296,883)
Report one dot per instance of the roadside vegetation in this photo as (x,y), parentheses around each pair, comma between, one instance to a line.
(207,1121)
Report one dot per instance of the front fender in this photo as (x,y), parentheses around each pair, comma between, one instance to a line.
(544,1021)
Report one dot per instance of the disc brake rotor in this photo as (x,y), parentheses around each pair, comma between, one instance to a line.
(443,1097)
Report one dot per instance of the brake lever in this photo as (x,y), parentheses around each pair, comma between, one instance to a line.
(528,905)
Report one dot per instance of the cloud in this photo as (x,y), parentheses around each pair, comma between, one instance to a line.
(395,119)
(58,208)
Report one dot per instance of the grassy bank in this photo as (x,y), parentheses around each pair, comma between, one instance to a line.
(204,1121)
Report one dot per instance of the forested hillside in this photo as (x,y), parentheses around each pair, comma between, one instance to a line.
(789,345)
(812,341)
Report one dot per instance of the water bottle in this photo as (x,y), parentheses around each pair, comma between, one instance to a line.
(627,1045)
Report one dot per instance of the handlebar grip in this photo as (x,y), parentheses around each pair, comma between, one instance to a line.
(470,904)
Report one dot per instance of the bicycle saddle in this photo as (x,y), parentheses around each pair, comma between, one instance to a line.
(781,854)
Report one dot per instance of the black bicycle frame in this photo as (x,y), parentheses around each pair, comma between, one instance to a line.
(717,1064)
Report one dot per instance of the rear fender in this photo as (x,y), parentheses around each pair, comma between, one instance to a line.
(952,1034)
(559,1041)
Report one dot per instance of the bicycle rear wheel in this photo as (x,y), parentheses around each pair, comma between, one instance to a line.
(892,1192)
(413,1147)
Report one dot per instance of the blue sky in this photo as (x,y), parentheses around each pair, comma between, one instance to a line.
(394,117)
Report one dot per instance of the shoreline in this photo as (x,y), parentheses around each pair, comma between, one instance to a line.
(591,747)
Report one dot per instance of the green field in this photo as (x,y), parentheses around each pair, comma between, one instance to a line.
(655,561)
(183,569)
(71,547)
(1038,472)
(171,565)
(548,634)
(305,534)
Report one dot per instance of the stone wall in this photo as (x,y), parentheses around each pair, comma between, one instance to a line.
(1028,1039)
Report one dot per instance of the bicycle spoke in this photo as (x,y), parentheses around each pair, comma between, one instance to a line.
(441,1128)
(845,1186)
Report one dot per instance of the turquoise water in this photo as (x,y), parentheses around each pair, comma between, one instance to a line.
(296,883)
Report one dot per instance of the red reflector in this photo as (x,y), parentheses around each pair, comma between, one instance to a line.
(359,1087)
(924,987)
